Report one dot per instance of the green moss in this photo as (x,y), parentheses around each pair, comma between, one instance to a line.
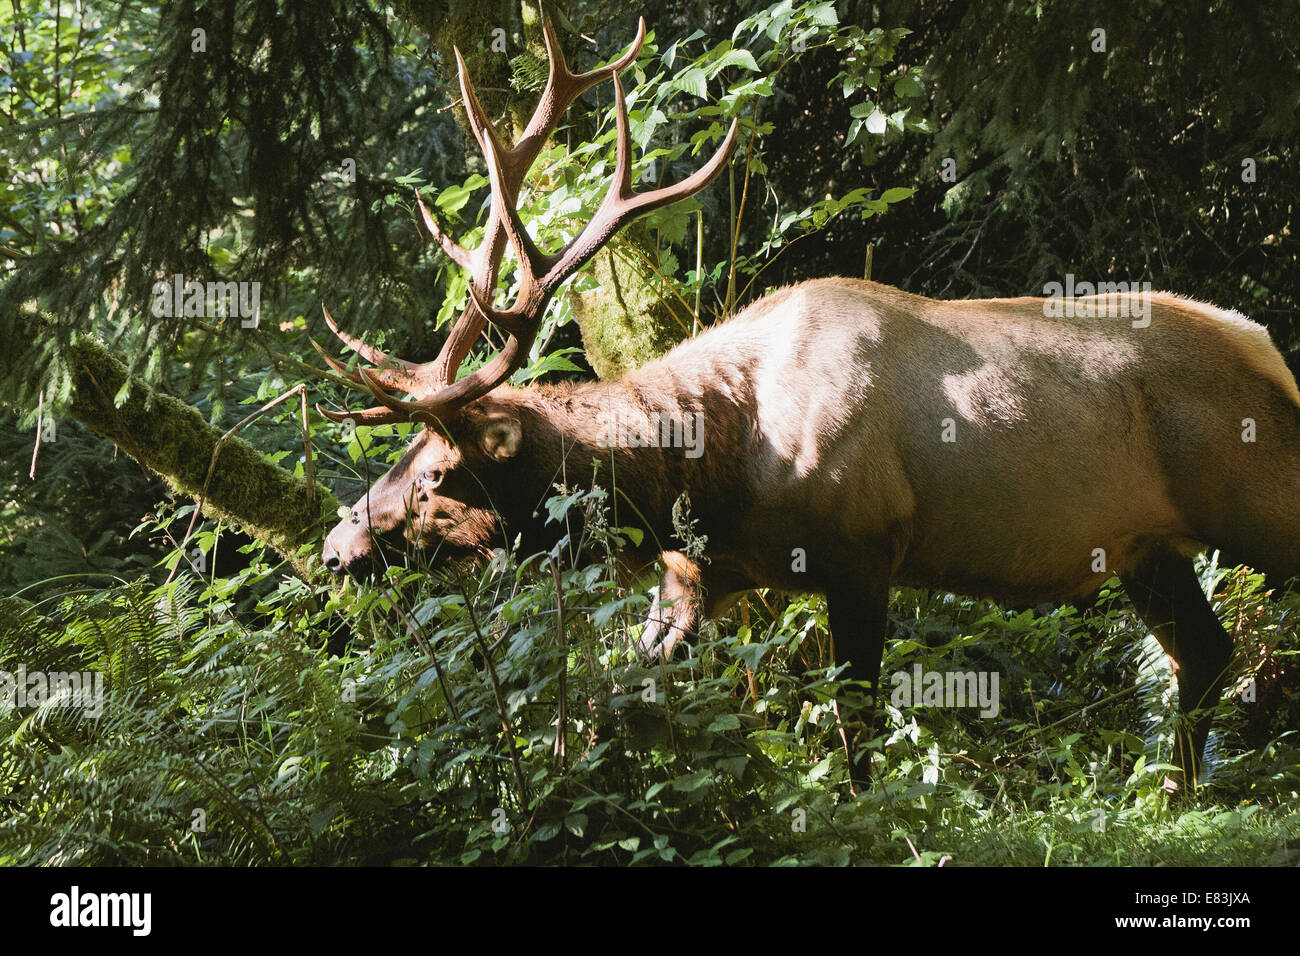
(624,323)
(468,26)
(172,440)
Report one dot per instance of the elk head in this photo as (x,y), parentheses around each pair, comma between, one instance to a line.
(438,497)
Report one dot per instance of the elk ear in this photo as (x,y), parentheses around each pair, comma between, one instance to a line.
(501,437)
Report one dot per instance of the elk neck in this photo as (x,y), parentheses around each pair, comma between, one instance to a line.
(657,433)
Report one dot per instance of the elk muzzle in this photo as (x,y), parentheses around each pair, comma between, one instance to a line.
(347,546)
(353,545)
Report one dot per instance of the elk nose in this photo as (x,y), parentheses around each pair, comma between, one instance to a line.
(332,560)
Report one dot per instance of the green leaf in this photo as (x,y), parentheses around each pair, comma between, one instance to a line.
(551,362)
(547,831)
(725,722)
(751,655)
(820,769)
(908,85)
(693,81)
(693,781)
(741,58)
(824,15)
(557,507)
(452,199)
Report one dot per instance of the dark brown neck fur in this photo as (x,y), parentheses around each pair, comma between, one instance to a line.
(567,427)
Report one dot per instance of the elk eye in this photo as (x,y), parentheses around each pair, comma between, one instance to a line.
(355,517)
(432,478)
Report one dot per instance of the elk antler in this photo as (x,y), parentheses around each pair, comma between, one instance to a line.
(436,392)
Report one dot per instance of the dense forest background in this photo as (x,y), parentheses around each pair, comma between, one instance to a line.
(259,712)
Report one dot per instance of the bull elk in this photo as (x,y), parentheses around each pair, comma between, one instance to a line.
(856,436)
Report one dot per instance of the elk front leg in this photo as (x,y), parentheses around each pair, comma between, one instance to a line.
(859,620)
(674,607)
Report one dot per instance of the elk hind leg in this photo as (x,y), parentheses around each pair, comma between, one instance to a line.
(859,621)
(1168,597)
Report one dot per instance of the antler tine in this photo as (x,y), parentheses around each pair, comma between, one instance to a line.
(404,377)
(335,364)
(562,88)
(368,352)
(378,388)
(622,204)
(368,416)
(478,120)
(392,379)
(453,250)
(389,410)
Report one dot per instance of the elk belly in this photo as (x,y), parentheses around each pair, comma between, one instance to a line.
(1026,517)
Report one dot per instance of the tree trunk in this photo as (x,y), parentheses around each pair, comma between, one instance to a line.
(626,322)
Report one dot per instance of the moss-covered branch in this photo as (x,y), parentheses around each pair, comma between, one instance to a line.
(168,438)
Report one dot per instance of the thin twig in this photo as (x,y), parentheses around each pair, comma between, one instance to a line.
(428,651)
(739,215)
(40,431)
(500,700)
(301,391)
(562,720)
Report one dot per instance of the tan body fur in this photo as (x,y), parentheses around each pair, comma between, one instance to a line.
(829,401)
(1069,432)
